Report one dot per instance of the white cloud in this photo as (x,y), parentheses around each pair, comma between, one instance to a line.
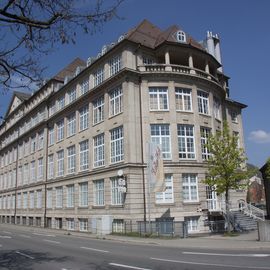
(259,136)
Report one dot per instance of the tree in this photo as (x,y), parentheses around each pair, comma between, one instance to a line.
(266,177)
(226,165)
(31,28)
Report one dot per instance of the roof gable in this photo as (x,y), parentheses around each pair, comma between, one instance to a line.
(16,100)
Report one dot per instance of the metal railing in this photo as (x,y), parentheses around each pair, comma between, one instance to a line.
(168,228)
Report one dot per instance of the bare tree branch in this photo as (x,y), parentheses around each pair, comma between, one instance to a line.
(31,28)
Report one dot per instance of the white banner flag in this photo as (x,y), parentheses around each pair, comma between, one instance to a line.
(156,173)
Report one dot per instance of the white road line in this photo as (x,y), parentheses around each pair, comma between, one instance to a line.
(0,245)
(5,236)
(24,235)
(7,232)
(50,241)
(128,266)
(225,254)
(25,255)
(94,249)
(42,234)
(212,264)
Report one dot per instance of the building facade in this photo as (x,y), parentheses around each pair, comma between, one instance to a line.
(64,147)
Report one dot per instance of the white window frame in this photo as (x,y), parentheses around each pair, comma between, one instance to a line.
(39,199)
(83,222)
(50,166)
(40,169)
(189,185)
(33,171)
(117,144)
(70,196)
(181,36)
(183,99)
(161,135)
(116,196)
(60,130)
(71,159)
(99,150)
(84,86)
(205,133)
(98,110)
(217,108)
(59,197)
(60,162)
(115,65)
(99,192)
(71,124)
(158,99)
(186,141)
(193,224)
(84,118)
(41,140)
(84,155)
(166,196)
(49,198)
(51,136)
(116,101)
(98,76)
(203,102)
(72,95)
(83,194)
(60,102)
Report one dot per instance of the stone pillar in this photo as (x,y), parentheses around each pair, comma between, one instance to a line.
(190,64)
(167,61)
(167,58)
(207,69)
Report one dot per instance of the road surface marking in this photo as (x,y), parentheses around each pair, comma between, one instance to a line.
(42,234)
(24,235)
(212,264)
(5,236)
(128,266)
(0,245)
(225,254)
(7,232)
(50,241)
(25,255)
(94,249)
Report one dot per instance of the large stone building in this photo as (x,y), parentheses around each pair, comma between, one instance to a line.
(63,147)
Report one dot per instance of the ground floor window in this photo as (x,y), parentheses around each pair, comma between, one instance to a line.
(118,226)
(24,220)
(83,224)
(70,224)
(31,221)
(192,224)
(58,223)
(18,220)
(38,221)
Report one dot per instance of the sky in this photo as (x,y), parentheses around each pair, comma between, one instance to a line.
(244,29)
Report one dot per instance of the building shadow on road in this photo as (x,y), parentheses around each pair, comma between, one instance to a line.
(25,259)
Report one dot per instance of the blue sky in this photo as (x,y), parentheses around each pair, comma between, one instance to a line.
(243,27)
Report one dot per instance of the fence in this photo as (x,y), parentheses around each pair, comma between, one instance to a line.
(154,228)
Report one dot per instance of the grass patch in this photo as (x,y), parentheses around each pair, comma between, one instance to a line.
(230,234)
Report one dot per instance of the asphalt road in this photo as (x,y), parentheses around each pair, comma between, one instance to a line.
(23,249)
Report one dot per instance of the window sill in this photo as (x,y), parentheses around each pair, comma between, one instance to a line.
(189,112)
(98,207)
(95,124)
(165,204)
(116,206)
(206,115)
(192,203)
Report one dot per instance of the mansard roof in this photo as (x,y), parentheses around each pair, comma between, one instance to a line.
(69,69)
(151,36)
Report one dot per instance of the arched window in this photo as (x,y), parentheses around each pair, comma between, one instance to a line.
(181,36)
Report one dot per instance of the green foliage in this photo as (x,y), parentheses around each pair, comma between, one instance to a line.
(226,165)
(267,170)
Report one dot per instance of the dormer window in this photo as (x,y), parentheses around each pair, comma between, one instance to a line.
(181,36)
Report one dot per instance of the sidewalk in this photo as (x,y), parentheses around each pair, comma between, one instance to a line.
(247,241)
